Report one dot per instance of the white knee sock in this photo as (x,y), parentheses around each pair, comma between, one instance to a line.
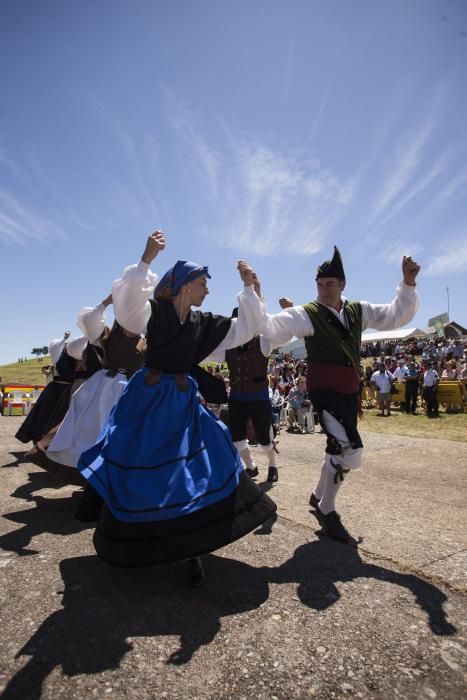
(318,491)
(329,493)
(245,454)
(270,452)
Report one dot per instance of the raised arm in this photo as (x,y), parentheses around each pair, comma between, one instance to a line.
(56,346)
(130,294)
(250,307)
(91,320)
(385,317)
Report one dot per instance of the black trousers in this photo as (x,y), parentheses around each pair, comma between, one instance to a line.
(260,414)
(411,395)
(431,399)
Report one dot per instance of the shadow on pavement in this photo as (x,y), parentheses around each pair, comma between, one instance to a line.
(317,566)
(19,456)
(53,515)
(104,605)
(36,482)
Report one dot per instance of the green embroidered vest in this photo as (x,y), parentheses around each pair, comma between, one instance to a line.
(332,342)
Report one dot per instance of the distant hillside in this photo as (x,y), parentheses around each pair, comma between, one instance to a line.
(28,372)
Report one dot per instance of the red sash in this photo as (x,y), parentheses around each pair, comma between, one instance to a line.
(326,376)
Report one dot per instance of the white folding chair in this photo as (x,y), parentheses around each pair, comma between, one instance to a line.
(17,398)
(310,420)
(33,396)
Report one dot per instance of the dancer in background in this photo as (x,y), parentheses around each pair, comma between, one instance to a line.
(249,397)
(90,405)
(41,417)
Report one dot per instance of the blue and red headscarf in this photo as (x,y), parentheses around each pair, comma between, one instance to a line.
(182,272)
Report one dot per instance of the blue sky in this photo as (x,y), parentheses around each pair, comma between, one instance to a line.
(268,130)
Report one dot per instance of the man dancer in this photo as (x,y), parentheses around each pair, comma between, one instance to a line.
(249,399)
(332,328)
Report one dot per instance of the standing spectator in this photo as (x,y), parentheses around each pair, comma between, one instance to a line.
(400,374)
(411,388)
(383,382)
(457,350)
(430,388)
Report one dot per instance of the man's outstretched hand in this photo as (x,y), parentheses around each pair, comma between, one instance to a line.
(410,270)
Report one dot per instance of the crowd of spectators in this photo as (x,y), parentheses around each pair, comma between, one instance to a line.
(419,363)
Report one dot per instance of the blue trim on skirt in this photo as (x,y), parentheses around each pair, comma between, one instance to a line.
(161,454)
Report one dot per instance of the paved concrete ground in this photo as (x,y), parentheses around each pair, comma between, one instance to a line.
(285,613)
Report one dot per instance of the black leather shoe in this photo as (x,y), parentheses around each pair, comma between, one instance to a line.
(196,575)
(252,472)
(273,475)
(332,526)
(314,502)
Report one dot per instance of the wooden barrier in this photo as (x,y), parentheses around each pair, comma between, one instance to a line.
(400,396)
(450,393)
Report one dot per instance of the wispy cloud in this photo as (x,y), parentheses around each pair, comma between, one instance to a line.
(315,122)
(198,153)
(286,205)
(455,187)
(405,167)
(18,222)
(272,199)
(393,253)
(139,150)
(450,258)
(416,172)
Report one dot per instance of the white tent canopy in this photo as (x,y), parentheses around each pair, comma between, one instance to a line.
(296,347)
(398,334)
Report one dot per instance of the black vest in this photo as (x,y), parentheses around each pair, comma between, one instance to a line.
(121,353)
(248,367)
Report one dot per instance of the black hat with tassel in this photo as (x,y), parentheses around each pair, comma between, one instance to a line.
(332,268)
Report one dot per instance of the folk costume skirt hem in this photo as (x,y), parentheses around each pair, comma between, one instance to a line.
(171,481)
(49,410)
(145,544)
(67,475)
(87,415)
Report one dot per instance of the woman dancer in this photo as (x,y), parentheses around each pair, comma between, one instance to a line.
(165,480)
(91,404)
(53,402)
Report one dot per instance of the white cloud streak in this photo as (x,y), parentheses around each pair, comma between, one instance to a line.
(18,222)
(451,258)
(271,200)
(393,253)
(285,206)
(403,171)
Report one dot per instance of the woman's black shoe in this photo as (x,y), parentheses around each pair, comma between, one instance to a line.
(273,475)
(196,575)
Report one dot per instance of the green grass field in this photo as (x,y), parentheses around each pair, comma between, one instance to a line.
(24,372)
(448,426)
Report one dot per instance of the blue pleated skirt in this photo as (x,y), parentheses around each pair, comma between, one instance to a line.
(161,454)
